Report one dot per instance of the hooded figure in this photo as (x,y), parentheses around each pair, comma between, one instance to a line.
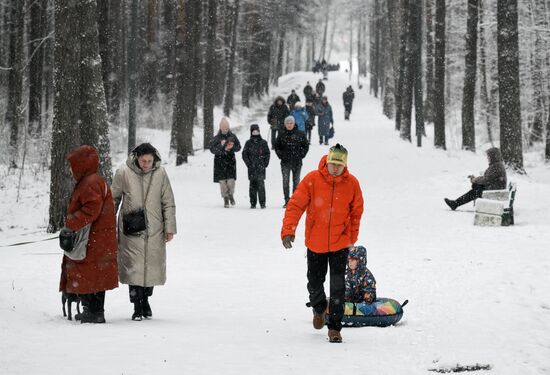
(223,146)
(256,156)
(276,117)
(142,183)
(348,97)
(90,202)
(494,178)
(360,282)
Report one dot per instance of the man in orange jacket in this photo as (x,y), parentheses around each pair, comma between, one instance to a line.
(333,202)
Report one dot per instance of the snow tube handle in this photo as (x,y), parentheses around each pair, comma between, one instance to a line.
(404,303)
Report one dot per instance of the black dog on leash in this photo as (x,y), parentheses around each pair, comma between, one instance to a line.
(69,298)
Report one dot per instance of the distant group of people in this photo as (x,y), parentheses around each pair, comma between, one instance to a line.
(291,126)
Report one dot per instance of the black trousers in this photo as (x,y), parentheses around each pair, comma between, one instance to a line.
(347,108)
(256,191)
(476,192)
(273,137)
(139,293)
(308,135)
(94,302)
(286,169)
(317,264)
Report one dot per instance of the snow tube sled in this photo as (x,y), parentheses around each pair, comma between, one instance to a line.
(382,312)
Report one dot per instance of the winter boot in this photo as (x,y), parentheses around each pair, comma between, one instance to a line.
(138,311)
(451,204)
(146,308)
(232,200)
(97,318)
(226,202)
(334,336)
(319,320)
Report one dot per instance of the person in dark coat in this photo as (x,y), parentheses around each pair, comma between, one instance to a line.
(348,97)
(256,156)
(308,91)
(325,121)
(310,109)
(320,88)
(91,202)
(291,147)
(292,99)
(276,117)
(494,178)
(223,146)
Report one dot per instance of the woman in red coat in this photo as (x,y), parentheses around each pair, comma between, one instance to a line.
(91,203)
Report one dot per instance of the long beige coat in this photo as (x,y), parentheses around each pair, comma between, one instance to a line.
(142,258)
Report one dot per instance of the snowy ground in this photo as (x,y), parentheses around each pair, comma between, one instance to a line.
(234,300)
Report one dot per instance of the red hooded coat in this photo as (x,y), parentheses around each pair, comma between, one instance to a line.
(334,208)
(91,202)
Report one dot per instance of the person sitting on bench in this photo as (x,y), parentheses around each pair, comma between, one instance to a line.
(494,178)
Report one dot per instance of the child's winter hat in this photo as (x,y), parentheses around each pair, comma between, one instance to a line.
(338,155)
(254,129)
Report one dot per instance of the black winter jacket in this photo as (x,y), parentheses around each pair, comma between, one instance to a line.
(256,156)
(277,114)
(494,177)
(225,164)
(291,147)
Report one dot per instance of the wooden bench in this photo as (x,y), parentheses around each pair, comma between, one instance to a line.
(496,207)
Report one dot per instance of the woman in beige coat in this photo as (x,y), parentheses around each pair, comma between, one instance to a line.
(144,189)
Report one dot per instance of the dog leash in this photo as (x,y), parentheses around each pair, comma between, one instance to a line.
(29,242)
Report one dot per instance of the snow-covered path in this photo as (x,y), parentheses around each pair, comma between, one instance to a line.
(234,300)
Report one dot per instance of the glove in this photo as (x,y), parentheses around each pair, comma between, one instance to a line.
(288,240)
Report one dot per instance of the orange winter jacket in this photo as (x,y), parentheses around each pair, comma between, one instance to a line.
(334,208)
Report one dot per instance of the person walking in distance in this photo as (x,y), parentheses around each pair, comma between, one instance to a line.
(223,146)
(332,199)
(291,147)
(256,156)
(276,118)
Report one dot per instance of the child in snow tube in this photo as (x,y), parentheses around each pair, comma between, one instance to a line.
(362,308)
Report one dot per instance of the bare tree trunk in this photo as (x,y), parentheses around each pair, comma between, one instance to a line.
(14,115)
(402,62)
(36,55)
(417,72)
(428,104)
(132,75)
(408,74)
(65,132)
(484,91)
(508,78)
(469,91)
(536,133)
(186,85)
(210,74)
(439,75)
(230,76)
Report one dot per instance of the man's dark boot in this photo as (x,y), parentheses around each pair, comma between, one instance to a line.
(451,204)
(138,311)
(232,200)
(226,202)
(146,308)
